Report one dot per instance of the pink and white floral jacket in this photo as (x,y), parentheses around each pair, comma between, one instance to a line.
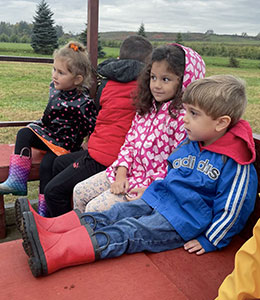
(149,142)
(153,137)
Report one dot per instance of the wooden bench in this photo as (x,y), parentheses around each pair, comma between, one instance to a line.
(5,151)
(168,275)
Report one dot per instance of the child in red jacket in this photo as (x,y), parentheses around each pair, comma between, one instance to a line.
(113,122)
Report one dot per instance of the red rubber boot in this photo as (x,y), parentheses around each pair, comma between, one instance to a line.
(58,224)
(49,252)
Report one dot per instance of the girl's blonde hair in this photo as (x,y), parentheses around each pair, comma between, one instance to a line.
(78,62)
(218,96)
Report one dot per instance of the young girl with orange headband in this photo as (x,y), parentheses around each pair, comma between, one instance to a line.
(69,116)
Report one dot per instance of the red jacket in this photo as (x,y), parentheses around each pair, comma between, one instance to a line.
(113,121)
(115,116)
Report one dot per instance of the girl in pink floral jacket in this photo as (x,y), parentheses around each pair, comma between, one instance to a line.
(156,131)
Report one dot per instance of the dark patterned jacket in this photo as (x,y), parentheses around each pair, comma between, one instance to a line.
(68,118)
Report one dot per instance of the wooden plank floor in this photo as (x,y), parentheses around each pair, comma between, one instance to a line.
(168,275)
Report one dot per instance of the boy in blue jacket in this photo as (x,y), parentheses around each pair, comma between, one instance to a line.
(205,199)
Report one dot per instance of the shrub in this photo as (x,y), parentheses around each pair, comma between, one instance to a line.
(233,62)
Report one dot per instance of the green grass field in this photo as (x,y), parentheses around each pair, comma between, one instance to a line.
(24,89)
(24,86)
(18,49)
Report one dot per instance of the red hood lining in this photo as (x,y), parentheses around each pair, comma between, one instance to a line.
(237,143)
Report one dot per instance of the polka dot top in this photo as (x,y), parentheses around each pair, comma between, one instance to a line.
(68,118)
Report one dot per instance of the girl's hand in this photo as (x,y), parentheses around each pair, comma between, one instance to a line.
(135,194)
(120,186)
(84,145)
(194,246)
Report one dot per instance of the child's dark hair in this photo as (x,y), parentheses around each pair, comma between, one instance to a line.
(78,62)
(135,47)
(175,57)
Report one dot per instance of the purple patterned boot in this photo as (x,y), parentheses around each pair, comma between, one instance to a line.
(42,207)
(19,170)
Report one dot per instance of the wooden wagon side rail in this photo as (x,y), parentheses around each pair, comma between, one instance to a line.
(26,59)
(14,123)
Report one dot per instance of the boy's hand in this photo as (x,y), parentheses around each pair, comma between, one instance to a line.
(119,186)
(135,194)
(194,246)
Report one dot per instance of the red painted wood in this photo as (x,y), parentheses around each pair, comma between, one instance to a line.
(130,277)
(198,277)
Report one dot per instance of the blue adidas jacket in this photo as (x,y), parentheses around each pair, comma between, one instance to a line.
(209,192)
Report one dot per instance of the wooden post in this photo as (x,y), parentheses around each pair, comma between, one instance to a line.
(92,32)
(92,37)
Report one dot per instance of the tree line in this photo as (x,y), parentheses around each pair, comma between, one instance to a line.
(44,37)
(227,50)
(21,32)
(206,48)
(42,34)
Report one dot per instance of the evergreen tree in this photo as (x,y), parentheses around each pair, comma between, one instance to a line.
(179,38)
(141,30)
(83,40)
(101,53)
(44,36)
(4,38)
(83,36)
(59,31)
(14,38)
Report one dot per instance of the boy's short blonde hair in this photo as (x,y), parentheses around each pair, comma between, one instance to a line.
(218,96)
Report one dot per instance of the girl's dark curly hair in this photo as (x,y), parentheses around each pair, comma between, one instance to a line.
(174,55)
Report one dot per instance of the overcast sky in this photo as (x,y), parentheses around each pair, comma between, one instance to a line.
(222,16)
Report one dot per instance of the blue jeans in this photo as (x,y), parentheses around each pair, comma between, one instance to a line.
(134,227)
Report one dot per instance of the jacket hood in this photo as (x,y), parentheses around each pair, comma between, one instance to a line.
(237,143)
(121,70)
(195,67)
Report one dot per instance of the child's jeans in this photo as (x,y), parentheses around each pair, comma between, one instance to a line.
(93,194)
(133,227)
